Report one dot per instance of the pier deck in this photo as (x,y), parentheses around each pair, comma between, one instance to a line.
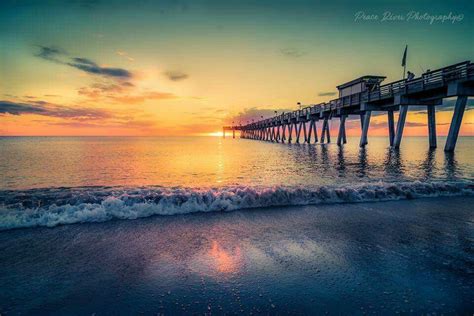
(427,90)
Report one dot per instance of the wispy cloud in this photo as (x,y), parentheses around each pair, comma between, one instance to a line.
(50,53)
(101,89)
(292,52)
(75,116)
(325,94)
(52,110)
(122,92)
(87,65)
(140,98)
(125,55)
(7,107)
(91,67)
(176,75)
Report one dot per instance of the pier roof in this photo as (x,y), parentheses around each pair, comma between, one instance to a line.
(366,78)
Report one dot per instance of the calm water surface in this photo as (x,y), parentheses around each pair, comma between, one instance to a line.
(43,162)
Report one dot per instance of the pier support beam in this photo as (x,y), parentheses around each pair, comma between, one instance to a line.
(341,136)
(325,131)
(432,126)
(310,131)
(290,133)
(233,133)
(304,132)
(315,132)
(455,123)
(328,135)
(365,129)
(400,125)
(391,127)
(298,132)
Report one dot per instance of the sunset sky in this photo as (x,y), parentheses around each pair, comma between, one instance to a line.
(99,67)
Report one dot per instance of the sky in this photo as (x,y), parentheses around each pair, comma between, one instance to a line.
(158,68)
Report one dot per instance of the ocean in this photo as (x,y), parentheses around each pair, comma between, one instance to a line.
(179,225)
(48,181)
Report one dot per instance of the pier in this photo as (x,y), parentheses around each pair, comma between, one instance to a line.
(360,97)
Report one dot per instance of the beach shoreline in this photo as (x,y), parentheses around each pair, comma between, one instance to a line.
(383,257)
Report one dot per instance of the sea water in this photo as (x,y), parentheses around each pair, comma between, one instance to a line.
(47,181)
(256,227)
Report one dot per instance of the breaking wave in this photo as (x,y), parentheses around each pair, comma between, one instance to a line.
(59,206)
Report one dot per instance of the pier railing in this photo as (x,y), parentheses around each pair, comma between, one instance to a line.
(427,81)
(429,90)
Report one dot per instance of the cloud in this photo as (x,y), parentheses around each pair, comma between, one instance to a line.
(125,55)
(121,92)
(59,56)
(176,75)
(7,107)
(52,110)
(104,89)
(254,113)
(116,123)
(140,98)
(292,52)
(50,53)
(91,67)
(79,117)
(324,94)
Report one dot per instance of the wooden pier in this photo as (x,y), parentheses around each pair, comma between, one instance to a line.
(366,94)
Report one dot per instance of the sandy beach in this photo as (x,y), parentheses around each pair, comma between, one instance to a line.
(329,258)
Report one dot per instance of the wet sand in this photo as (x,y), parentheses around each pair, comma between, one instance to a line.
(383,258)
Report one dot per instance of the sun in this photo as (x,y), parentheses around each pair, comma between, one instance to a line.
(215,134)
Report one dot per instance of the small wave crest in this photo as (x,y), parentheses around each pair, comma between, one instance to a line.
(59,206)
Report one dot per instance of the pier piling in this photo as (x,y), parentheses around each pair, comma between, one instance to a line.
(365,129)
(455,123)
(341,136)
(400,125)
(391,127)
(432,126)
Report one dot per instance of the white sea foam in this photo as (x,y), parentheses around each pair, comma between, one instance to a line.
(59,206)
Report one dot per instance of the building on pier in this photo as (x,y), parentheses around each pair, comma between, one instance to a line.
(361,84)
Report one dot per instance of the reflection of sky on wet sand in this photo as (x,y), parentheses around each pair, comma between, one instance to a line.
(232,257)
(297,259)
(217,260)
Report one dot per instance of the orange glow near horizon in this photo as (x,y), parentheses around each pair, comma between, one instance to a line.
(35,125)
(60,77)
